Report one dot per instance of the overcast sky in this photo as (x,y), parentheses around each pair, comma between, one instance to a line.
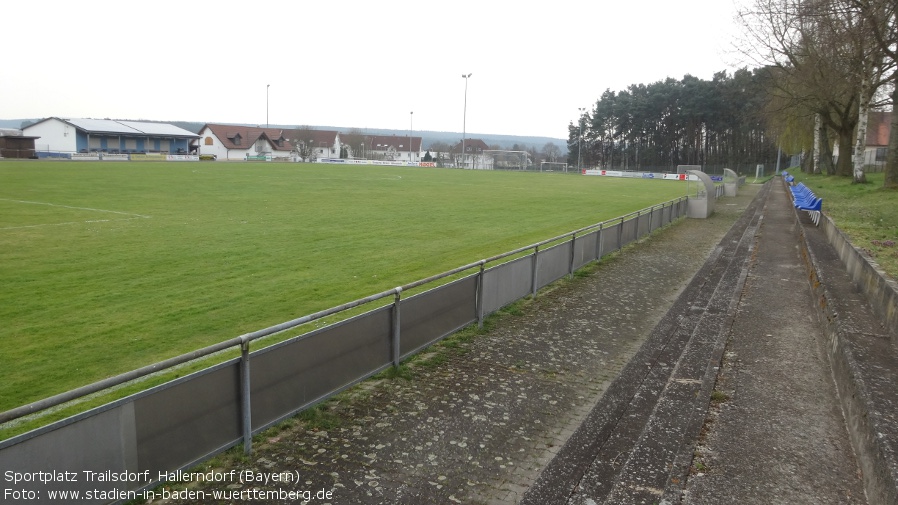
(352,63)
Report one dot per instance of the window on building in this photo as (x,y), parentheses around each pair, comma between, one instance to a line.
(209,141)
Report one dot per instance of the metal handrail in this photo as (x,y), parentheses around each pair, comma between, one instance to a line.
(243,340)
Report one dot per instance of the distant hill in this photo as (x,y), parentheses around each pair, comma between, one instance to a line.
(428,138)
(451,138)
(16,124)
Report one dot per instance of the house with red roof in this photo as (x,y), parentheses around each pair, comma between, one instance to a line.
(236,142)
(879,126)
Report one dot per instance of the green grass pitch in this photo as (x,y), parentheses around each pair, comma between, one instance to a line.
(106,266)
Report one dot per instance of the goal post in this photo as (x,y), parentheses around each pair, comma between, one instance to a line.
(552,166)
(496,159)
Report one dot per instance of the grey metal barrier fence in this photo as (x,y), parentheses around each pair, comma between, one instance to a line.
(176,425)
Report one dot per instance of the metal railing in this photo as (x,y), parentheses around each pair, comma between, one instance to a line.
(218,407)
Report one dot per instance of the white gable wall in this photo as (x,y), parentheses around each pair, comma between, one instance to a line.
(55,135)
(217,148)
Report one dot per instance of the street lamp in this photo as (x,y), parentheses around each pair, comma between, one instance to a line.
(580,136)
(464,118)
(266,104)
(410,128)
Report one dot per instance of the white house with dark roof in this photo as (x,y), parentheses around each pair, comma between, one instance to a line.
(62,136)
(473,157)
(235,142)
(393,147)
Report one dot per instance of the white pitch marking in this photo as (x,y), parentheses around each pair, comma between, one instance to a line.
(351,179)
(77,208)
(67,223)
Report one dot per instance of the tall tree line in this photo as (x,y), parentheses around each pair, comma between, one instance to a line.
(691,121)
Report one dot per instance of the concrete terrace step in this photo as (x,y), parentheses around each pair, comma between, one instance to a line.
(638,437)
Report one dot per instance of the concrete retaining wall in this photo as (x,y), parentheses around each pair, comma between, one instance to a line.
(861,349)
(866,273)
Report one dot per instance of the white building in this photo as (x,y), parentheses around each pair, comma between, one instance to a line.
(235,142)
(393,148)
(64,136)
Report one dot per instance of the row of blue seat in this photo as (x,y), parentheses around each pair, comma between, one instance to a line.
(804,199)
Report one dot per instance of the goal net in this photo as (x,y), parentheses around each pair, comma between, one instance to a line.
(506,160)
(552,166)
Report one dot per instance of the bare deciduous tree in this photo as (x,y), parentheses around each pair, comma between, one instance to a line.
(551,152)
(825,66)
(303,139)
(882,22)
(353,143)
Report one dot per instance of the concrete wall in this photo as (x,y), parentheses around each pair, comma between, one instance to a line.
(859,342)
(866,273)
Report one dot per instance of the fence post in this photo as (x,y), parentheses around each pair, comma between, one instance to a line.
(479,306)
(534,264)
(245,404)
(570,269)
(651,219)
(394,336)
(599,242)
(620,234)
(637,235)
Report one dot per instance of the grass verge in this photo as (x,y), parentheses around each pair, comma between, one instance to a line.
(866,213)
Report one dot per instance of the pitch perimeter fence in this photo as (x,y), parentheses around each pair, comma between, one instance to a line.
(178,424)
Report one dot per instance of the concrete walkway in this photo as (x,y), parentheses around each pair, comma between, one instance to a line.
(779,436)
(598,390)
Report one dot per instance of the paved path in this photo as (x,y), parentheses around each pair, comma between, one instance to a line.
(494,417)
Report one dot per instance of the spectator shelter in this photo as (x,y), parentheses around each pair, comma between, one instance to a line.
(60,137)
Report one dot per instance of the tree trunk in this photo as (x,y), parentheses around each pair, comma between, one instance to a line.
(891,168)
(807,162)
(824,162)
(818,137)
(844,166)
(860,144)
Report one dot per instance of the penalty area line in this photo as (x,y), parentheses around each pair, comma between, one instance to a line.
(69,223)
(76,208)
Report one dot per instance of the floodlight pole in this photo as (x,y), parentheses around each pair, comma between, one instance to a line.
(464,120)
(411,116)
(580,136)
(266,104)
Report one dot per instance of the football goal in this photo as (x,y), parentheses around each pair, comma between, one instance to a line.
(507,160)
(552,166)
